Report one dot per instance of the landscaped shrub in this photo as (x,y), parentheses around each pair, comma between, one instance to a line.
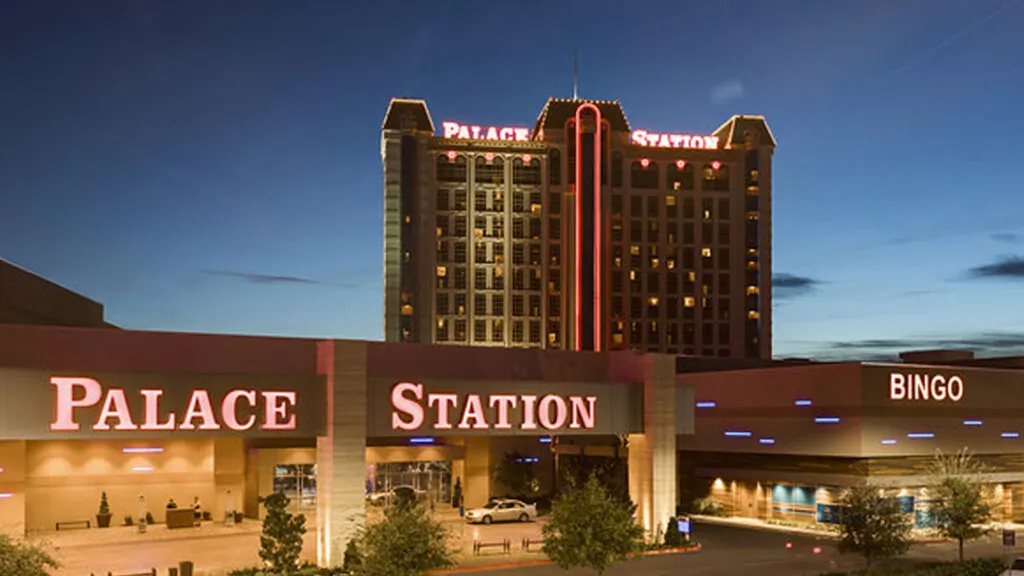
(974,567)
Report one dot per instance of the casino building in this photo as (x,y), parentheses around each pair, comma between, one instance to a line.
(579,233)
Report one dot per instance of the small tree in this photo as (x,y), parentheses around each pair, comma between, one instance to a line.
(24,559)
(281,540)
(673,537)
(516,474)
(589,528)
(353,558)
(104,505)
(959,507)
(872,525)
(408,542)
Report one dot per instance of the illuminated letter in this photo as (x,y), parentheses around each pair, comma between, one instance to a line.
(476,132)
(955,387)
(583,414)
(677,140)
(897,387)
(529,412)
(504,402)
(229,409)
(115,406)
(522,134)
(463,132)
(507,134)
(492,133)
(664,141)
(152,421)
(919,387)
(443,401)
(652,139)
(561,412)
(474,409)
(66,403)
(275,410)
(451,129)
(938,388)
(640,137)
(711,141)
(401,403)
(686,141)
(199,407)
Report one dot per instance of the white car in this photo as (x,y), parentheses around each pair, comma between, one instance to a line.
(1015,569)
(502,511)
(392,495)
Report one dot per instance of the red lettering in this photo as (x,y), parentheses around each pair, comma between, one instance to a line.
(503,402)
(66,403)
(199,406)
(229,409)
(115,406)
(152,421)
(444,402)
(410,407)
(276,405)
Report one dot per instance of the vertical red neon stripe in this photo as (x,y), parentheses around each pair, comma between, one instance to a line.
(597,226)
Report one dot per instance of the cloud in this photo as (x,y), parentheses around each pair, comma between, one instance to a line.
(882,349)
(1011,267)
(786,286)
(272,278)
(726,91)
(1007,237)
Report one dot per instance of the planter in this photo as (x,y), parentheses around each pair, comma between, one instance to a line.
(103,520)
(238,517)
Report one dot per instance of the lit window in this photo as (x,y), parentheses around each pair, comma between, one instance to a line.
(670,264)
(653,300)
(707,214)
(632,274)
(753,314)
(705,252)
(634,250)
(407,256)
(752,265)
(440,322)
(670,201)
(408,219)
(407,310)
(752,290)
(617,338)
(654,262)
(535,208)
(689,302)
(439,231)
(691,276)
(442,271)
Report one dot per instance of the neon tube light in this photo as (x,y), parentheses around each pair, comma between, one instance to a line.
(706,404)
(826,420)
(973,422)
(142,468)
(544,440)
(1010,434)
(889,441)
(421,440)
(597,226)
(152,450)
(802,403)
(921,435)
(7,495)
(766,440)
(738,434)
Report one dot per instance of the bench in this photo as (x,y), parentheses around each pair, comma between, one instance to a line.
(505,545)
(152,572)
(74,524)
(533,544)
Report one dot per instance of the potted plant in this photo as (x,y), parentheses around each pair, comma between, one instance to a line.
(103,517)
(128,520)
(238,517)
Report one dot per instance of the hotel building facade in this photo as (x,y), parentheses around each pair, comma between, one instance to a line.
(579,233)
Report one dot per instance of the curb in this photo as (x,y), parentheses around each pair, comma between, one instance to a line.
(530,563)
(797,530)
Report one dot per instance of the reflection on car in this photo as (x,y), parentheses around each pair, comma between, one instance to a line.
(502,511)
(395,493)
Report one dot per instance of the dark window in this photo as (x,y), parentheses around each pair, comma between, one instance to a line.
(554,203)
(723,208)
(644,177)
(554,167)
(617,169)
(442,200)
(490,172)
(716,178)
(688,207)
(449,170)
(523,173)
(679,178)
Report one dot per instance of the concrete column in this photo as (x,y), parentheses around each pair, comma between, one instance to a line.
(13,461)
(229,476)
(652,455)
(476,483)
(341,452)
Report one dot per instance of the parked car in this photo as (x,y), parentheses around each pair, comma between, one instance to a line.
(393,494)
(502,511)
(1015,569)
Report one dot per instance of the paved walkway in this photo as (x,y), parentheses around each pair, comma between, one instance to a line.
(922,536)
(215,549)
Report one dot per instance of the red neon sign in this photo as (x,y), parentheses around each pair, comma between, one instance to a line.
(278,409)
(475,412)
(597,226)
(655,140)
(466,132)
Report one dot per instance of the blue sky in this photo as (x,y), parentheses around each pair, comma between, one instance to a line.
(214,166)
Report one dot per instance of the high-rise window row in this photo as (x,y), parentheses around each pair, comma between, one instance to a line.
(606,239)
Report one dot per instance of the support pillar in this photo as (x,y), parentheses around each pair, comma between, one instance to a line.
(13,462)
(652,454)
(341,451)
(476,484)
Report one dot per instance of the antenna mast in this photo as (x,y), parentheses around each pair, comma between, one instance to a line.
(575,72)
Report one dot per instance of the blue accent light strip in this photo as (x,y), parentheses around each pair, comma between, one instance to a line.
(706,404)
(1010,434)
(738,433)
(826,420)
(766,440)
(889,441)
(421,440)
(973,422)
(802,403)
(545,440)
(921,435)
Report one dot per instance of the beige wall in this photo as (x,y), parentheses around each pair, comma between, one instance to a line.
(65,479)
(12,483)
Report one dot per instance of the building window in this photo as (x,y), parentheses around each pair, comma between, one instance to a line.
(442,200)
(716,177)
(526,173)
(535,331)
(497,331)
(617,169)
(441,334)
(480,304)
(644,177)
(554,203)
(490,172)
(441,303)
(517,331)
(460,331)
(480,331)
(554,167)
(298,483)
(679,178)
(451,170)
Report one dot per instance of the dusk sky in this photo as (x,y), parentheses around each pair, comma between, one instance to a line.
(214,166)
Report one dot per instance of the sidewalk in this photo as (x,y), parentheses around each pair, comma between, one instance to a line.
(918,536)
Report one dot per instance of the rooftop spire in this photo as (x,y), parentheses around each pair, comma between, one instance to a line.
(575,72)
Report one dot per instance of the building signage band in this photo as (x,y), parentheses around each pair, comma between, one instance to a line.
(934,387)
(410,404)
(656,140)
(466,132)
